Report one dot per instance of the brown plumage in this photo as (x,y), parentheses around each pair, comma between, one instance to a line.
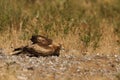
(41,40)
(41,46)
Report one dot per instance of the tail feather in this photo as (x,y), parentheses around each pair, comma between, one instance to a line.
(17,49)
(16,52)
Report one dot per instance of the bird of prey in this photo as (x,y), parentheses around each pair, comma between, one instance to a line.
(41,46)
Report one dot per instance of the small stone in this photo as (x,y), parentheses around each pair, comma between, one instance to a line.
(115,56)
(30,68)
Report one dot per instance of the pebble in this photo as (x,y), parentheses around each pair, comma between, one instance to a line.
(67,64)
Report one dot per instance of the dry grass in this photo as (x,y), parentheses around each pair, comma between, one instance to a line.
(91,26)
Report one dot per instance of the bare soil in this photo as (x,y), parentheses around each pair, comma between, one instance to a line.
(65,67)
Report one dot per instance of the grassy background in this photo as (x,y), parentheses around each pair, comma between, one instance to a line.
(85,25)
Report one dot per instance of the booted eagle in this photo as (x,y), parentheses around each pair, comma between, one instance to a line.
(41,46)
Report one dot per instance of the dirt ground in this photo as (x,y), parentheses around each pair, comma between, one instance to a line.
(65,67)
